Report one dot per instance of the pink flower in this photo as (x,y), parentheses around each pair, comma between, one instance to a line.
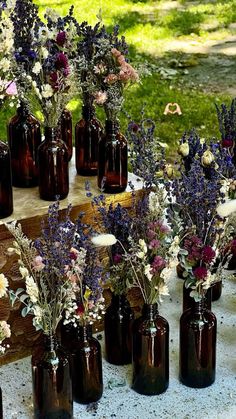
(111,79)
(200,272)
(73,253)
(11,90)
(100,97)
(38,263)
(158,264)
(154,244)
(208,254)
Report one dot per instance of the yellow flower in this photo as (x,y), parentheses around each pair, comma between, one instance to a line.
(183,149)
(3,285)
(207,158)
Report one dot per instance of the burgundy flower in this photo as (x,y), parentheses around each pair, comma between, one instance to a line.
(227,143)
(80,309)
(158,264)
(233,247)
(154,244)
(61,61)
(54,80)
(117,258)
(200,272)
(61,38)
(208,254)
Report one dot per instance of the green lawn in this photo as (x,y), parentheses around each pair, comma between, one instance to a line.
(151,28)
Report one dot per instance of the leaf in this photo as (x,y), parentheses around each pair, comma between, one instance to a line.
(23,297)
(19,291)
(25,311)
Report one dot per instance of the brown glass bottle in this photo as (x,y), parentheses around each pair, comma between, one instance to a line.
(118,322)
(150,352)
(87,367)
(24,138)
(1,407)
(6,198)
(188,301)
(197,346)
(112,159)
(52,383)
(87,135)
(53,166)
(66,131)
(216,290)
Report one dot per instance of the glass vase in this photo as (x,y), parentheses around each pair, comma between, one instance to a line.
(53,166)
(6,198)
(118,322)
(87,135)
(150,352)
(197,346)
(24,138)
(52,381)
(112,159)
(66,131)
(86,368)
(188,301)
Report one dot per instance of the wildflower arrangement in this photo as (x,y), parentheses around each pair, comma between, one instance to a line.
(146,262)
(7,83)
(227,120)
(45,55)
(52,267)
(112,73)
(197,199)
(5,330)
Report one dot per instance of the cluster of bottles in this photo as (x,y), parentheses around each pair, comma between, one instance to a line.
(28,162)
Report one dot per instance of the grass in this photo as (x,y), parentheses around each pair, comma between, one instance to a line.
(151,27)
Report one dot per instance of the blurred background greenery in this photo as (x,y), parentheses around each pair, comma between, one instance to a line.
(185,53)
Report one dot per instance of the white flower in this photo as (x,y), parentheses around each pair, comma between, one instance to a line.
(44,52)
(174,247)
(5,65)
(52,14)
(183,149)
(147,271)
(5,331)
(37,68)
(3,285)
(104,240)
(141,255)
(47,91)
(31,289)
(143,245)
(207,158)
(153,202)
(24,272)
(224,210)
(163,290)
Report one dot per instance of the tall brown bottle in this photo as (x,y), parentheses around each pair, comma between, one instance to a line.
(112,159)
(150,352)
(52,383)
(53,166)
(197,346)
(189,302)
(6,198)
(87,135)
(66,131)
(24,138)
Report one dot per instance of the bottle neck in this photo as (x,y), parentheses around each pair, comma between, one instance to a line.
(23,110)
(50,343)
(85,332)
(119,300)
(88,112)
(199,306)
(150,311)
(112,127)
(52,133)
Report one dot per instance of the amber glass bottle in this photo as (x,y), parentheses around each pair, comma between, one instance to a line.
(66,131)
(150,352)
(118,322)
(87,135)
(6,199)
(24,139)
(197,346)
(52,384)
(87,367)
(112,159)
(53,166)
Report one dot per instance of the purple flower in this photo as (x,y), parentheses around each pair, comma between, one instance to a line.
(208,254)
(61,61)
(117,258)
(154,244)
(158,264)
(200,273)
(61,38)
